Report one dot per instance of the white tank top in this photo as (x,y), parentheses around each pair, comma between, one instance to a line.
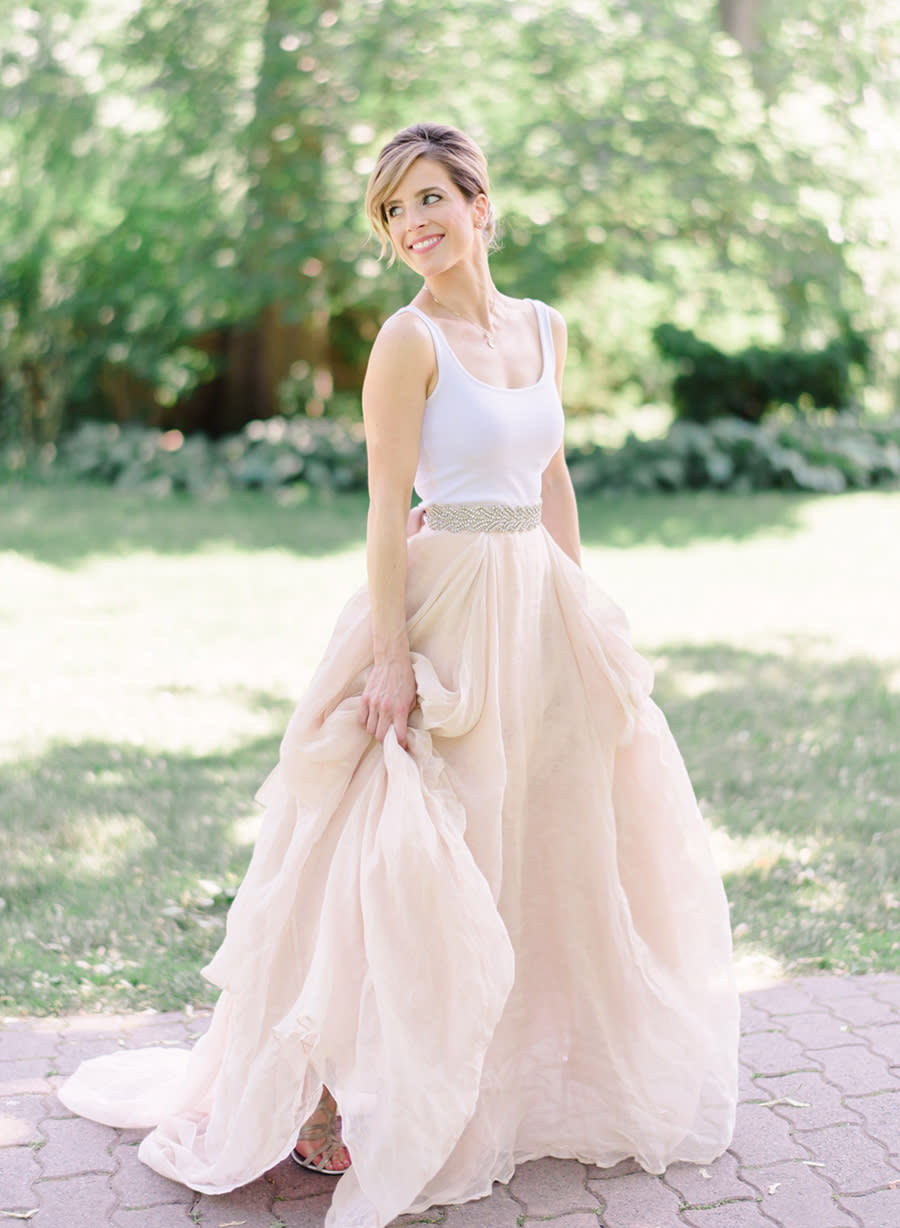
(481,443)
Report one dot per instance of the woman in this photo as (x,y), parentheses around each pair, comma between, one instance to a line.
(482,917)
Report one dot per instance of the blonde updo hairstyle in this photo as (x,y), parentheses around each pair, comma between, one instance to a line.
(457,153)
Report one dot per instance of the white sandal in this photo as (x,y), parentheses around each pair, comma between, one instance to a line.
(324,1126)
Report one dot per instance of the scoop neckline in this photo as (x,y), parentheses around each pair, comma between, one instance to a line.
(465,370)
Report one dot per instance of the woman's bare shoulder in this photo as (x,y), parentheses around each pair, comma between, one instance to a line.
(402,361)
(557,325)
(405,330)
(402,353)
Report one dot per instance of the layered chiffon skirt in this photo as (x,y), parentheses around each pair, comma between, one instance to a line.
(509,941)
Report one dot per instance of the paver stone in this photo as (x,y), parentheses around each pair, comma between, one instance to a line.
(638,1198)
(20,1171)
(306,1213)
(251,1205)
(83,1201)
(789,998)
(753,1017)
(551,1187)
(21,1118)
(170,1215)
(883,1040)
(864,1012)
(794,1193)
(858,1071)
(136,1185)
(806,1101)
(774,1053)
(21,1046)
(819,1030)
(878,1210)
(762,1137)
(76,1146)
(28,1077)
(289,1180)
(699,1185)
(500,1211)
(731,1215)
(855,1163)
(881,1118)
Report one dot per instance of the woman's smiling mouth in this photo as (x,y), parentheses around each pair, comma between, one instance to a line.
(426,244)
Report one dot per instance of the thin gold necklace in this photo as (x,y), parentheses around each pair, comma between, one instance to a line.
(487,333)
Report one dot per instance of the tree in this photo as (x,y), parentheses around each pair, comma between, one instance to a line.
(187,212)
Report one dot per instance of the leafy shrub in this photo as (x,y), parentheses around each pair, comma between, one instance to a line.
(727,454)
(749,384)
(325,454)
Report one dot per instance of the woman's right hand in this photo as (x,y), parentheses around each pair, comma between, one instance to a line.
(415,520)
(388,698)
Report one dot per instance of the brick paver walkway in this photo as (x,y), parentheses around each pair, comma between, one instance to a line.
(817,1143)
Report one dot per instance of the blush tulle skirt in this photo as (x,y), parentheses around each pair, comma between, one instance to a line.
(509,941)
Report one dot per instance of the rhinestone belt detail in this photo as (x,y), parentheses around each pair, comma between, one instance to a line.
(482,517)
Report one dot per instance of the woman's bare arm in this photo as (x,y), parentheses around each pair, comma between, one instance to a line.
(560,511)
(400,366)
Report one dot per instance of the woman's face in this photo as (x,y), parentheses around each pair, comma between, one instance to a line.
(432,225)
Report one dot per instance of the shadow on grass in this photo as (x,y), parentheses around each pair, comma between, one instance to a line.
(794,759)
(679,520)
(118,864)
(65,525)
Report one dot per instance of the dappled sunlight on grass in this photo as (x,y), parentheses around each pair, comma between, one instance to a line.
(116,870)
(101,845)
(831,584)
(794,761)
(243,832)
(760,852)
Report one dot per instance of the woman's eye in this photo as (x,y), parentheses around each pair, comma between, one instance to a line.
(393,210)
(429,197)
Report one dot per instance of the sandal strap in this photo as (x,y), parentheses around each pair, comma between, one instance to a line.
(324,1124)
(324,1129)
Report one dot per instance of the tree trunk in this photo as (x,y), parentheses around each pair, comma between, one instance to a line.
(742,19)
(284,212)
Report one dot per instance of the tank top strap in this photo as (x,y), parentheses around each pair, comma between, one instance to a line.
(548,351)
(436,335)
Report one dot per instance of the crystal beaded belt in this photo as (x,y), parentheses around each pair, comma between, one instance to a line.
(482,517)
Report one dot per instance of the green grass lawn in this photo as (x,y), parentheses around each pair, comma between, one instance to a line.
(154,651)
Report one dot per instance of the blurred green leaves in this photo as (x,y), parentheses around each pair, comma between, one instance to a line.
(178,172)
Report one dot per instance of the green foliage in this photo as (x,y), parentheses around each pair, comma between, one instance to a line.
(187,168)
(751,383)
(826,457)
(322,454)
(117,232)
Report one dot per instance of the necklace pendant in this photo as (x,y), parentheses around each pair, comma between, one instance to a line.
(490,341)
